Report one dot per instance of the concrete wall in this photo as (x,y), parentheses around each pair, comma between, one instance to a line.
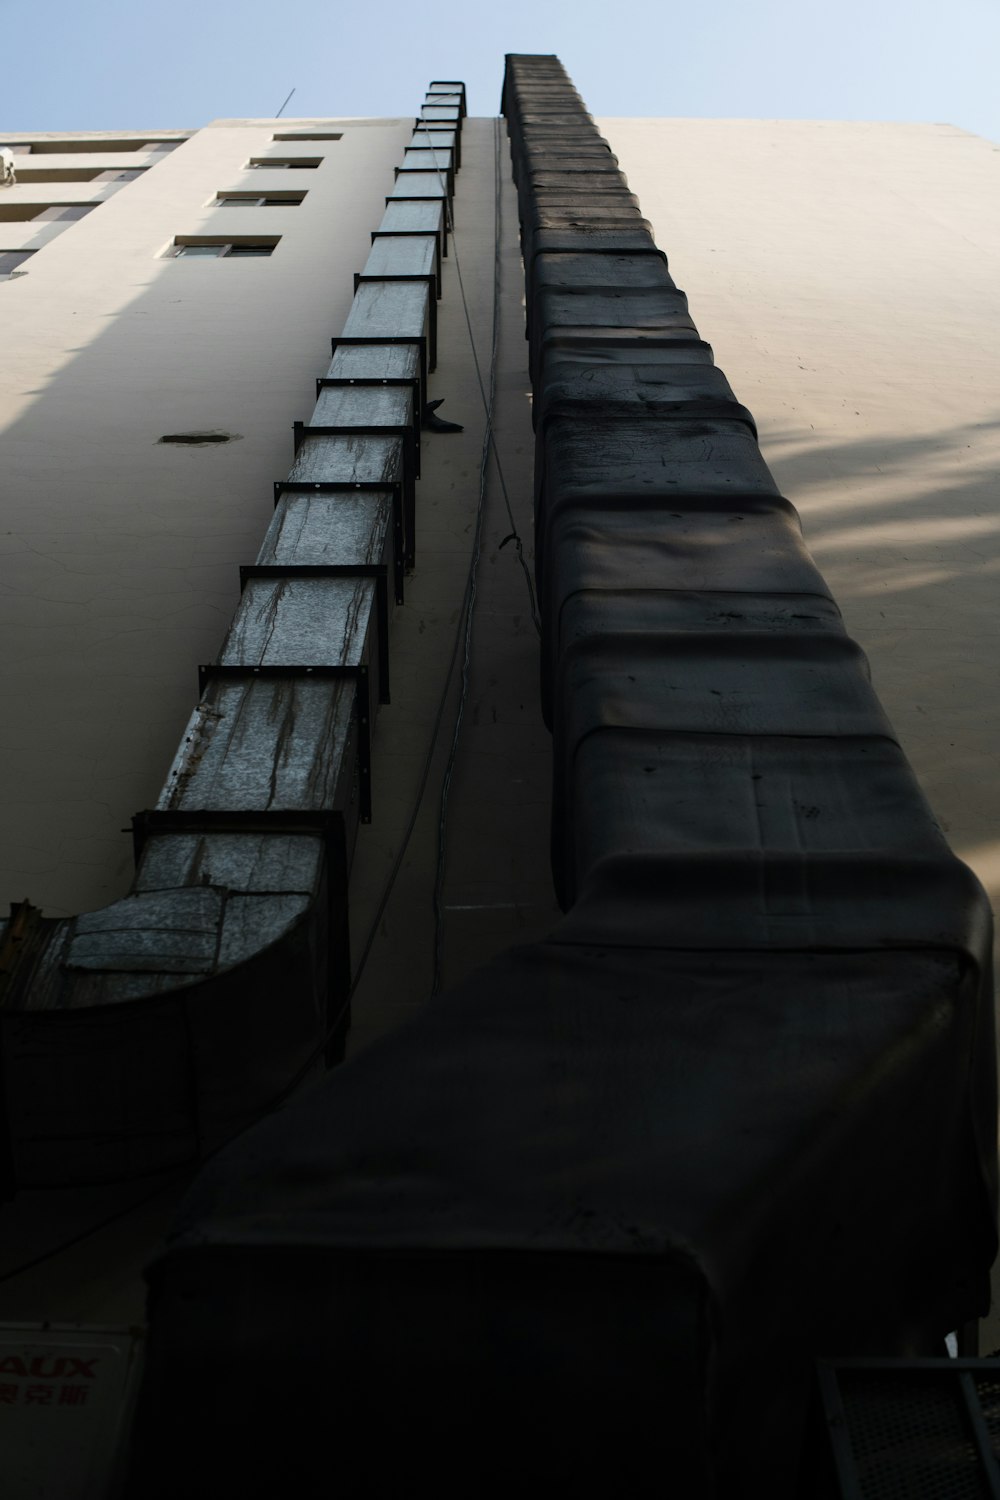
(847,278)
(119,555)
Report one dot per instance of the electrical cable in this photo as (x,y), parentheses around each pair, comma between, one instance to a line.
(462,632)
(487,402)
(488,446)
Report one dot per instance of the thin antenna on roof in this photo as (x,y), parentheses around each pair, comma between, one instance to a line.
(278,115)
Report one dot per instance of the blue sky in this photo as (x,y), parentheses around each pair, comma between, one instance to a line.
(126,64)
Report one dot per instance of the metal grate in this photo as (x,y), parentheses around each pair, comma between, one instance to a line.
(910,1439)
(914,1430)
(988,1391)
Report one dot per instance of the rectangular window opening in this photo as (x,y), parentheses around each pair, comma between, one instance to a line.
(191,250)
(43,213)
(255,200)
(232,249)
(61,174)
(279,163)
(309,135)
(98,147)
(59,211)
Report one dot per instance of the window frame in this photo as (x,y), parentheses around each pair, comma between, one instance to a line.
(98,146)
(65,213)
(23,212)
(235,247)
(282,163)
(228,197)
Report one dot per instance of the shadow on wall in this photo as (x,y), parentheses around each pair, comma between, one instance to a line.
(906,530)
(119,554)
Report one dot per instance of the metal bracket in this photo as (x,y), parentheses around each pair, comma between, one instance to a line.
(378,571)
(377,341)
(420,234)
(365,486)
(443,169)
(362,381)
(406,430)
(241,671)
(434,295)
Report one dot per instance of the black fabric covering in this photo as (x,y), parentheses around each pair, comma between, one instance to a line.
(670,389)
(660,309)
(705,544)
(574,272)
(584,1226)
(603,461)
(545,172)
(566,233)
(618,345)
(605,1202)
(607,196)
(528,158)
(565,226)
(620,455)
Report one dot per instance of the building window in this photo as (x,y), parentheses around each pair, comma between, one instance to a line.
(63,174)
(10,260)
(230,249)
(58,211)
(277,163)
(98,147)
(251,200)
(43,212)
(308,135)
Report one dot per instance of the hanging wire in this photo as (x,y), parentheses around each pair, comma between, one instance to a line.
(282,109)
(463,634)
(488,446)
(487,400)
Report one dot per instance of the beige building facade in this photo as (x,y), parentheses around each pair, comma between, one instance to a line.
(118,551)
